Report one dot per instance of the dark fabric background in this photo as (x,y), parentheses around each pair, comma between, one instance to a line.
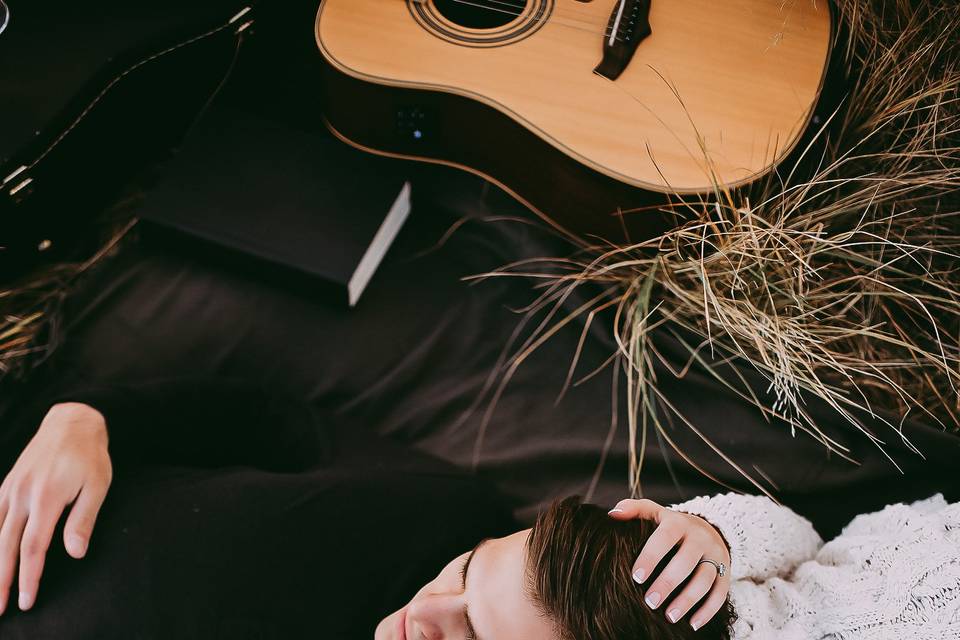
(410,360)
(192,553)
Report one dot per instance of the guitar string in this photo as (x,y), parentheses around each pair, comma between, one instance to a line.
(477,4)
(521,7)
(544,19)
(518,13)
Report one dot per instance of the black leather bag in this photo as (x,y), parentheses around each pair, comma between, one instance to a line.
(90,94)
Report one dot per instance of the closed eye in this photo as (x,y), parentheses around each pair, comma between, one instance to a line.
(463,572)
(471,634)
(463,582)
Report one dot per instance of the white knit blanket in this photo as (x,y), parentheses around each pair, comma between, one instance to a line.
(890,575)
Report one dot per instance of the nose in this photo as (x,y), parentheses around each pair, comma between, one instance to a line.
(436,617)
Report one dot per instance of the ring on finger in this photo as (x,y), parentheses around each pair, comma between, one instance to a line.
(721,568)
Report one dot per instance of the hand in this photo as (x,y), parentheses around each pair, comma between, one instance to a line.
(65,463)
(698,540)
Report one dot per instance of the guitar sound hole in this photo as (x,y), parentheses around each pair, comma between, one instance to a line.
(480,14)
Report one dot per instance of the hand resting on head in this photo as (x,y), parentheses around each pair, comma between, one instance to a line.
(698,542)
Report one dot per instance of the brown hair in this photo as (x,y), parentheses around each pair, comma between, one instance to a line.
(579,572)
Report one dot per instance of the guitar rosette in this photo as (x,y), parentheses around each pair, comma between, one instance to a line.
(483,23)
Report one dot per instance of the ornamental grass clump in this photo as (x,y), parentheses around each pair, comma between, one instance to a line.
(835,277)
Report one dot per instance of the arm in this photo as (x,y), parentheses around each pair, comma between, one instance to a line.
(66,465)
(766,539)
(206,422)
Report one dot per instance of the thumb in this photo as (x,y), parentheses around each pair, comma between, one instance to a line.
(83,516)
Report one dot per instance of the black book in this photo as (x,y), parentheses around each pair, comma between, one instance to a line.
(298,200)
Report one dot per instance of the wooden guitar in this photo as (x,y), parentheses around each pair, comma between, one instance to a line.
(579,108)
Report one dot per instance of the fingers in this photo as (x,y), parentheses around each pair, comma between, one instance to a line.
(630,509)
(700,584)
(713,604)
(83,516)
(25,536)
(699,540)
(33,550)
(658,545)
(677,570)
(10,533)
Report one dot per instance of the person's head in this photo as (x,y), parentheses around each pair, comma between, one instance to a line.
(567,578)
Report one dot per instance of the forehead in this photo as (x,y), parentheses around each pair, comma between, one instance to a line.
(497,597)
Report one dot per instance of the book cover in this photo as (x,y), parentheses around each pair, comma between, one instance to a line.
(295,199)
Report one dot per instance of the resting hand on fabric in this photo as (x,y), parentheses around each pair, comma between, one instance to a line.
(698,540)
(66,463)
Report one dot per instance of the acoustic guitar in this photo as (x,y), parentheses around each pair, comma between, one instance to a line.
(579,108)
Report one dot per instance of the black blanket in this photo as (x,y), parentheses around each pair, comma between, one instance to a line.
(407,364)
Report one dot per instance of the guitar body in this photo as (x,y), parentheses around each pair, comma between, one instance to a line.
(537,96)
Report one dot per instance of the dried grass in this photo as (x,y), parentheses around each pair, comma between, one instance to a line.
(30,307)
(835,278)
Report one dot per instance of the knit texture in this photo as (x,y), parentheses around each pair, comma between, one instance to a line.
(890,575)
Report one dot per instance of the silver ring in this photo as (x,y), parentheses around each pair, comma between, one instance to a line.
(721,568)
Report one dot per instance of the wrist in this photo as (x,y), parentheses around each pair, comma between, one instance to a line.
(77,416)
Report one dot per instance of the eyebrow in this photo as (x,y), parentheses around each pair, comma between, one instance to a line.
(466,568)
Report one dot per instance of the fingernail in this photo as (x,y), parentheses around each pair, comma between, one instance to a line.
(652,599)
(25,600)
(695,624)
(639,576)
(77,546)
(673,615)
(612,511)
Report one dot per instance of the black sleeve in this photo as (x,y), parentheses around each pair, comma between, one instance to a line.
(206,422)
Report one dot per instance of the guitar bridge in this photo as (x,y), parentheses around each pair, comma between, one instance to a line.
(629,25)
